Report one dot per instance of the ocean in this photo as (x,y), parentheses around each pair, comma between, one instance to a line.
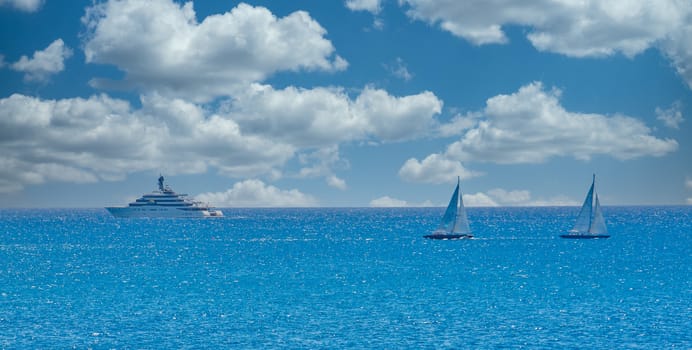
(345,278)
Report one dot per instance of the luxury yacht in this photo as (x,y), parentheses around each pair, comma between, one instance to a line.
(165,203)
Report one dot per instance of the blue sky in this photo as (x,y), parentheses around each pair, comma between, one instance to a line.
(345,103)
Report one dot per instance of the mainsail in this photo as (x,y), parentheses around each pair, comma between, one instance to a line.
(454,220)
(597,223)
(590,219)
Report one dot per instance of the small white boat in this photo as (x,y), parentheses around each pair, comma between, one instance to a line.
(590,222)
(454,224)
(165,203)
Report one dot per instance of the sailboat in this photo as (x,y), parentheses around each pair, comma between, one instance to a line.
(454,224)
(590,222)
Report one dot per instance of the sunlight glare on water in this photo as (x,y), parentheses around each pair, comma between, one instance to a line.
(335,278)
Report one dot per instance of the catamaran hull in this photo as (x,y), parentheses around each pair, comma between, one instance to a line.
(448,237)
(585,236)
(128,212)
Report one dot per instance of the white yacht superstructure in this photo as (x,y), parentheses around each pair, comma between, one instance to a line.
(165,203)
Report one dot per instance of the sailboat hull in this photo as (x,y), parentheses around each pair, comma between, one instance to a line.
(448,236)
(584,236)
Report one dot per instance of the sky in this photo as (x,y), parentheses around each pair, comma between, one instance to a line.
(346,103)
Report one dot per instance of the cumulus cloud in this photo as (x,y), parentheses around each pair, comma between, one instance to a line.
(499,197)
(23,5)
(479,199)
(323,116)
(373,6)
(386,201)
(393,118)
(44,63)
(530,126)
(589,28)
(81,140)
(322,163)
(510,197)
(306,117)
(334,181)
(399,69)
(671,117)
(678,48)
(253,135)
(459,124)
(255,193)
(161,46)
(389,202)
(435,168)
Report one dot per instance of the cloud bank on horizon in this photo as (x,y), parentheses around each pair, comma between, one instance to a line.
(205,100)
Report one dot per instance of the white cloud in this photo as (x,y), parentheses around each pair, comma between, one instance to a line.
(336,182)
(560,200)
(479,199)
(392,118)
(572,27)
(44,63)
(530,126)
(161,46)
(678,47)
(435,168)
(310,118)
(459,124)
(399,69)
(322,163)
(320,116)
(671,117)
(81,140)
(510,197)
(389,202)
(386,201)
(688,183)
(500,197)
(23,5)
(255,193)
(378,24)
(576,28)
(252,135)
(373,6)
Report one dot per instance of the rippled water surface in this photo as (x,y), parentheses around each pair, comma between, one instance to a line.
(345,278)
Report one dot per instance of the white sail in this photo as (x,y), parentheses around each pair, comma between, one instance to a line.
(584,219)
(461,223)
(590,219)
(597,223)
(454,220)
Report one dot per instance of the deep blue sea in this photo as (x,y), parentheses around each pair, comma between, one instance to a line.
(345,278)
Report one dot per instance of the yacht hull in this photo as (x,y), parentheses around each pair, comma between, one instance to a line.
(448,236)
(584,236)
(162,212)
